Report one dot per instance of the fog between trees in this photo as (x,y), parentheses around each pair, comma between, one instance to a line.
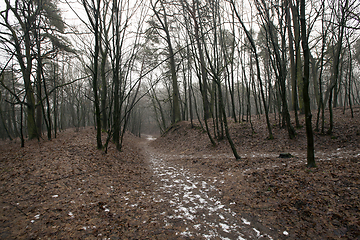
(144,65)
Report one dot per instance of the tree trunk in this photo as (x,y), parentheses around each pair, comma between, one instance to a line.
(30,99)
(222,109)
(55,102)
(309,131)
(4,122)
(350,78)
(104,118)
(21,126)
(94,18)
(293,64)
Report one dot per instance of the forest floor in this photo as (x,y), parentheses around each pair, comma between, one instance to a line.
(180,187)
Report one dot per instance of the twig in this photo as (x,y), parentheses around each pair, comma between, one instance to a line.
(15,207)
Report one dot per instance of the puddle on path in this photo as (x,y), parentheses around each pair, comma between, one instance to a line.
(194,205)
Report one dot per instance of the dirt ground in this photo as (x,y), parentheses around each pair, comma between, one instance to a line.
(67,189)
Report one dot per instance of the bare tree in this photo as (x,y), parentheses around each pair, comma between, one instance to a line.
(92,8)
(254,49)
(308,116)
(279,53)
(161,16)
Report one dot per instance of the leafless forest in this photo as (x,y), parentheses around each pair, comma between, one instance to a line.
(237,80)
(144,65)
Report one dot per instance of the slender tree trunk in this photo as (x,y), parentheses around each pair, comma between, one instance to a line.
(189,85)
(55,102)
(293,64)
(156,102)
(4,122)
(95,78)
(48,110)
(298,63)
(222,108)
(350,78)
(94,17)
(309,131)
(196,110)
(321,107)
(103,99)
(21,126)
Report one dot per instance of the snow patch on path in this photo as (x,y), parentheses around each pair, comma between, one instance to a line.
(194,204)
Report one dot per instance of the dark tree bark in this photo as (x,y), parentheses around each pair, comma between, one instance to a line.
(23,54)
(293,64)
(116,75)
(93,13)
(222,109)
(103,99)
(308,116)
(349,80)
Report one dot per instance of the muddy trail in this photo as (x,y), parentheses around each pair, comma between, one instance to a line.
(192,205)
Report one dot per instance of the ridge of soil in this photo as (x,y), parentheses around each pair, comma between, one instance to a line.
(66,188)
(187,139)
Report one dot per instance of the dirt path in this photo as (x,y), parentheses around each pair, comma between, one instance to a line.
(194,209)
(166,189)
